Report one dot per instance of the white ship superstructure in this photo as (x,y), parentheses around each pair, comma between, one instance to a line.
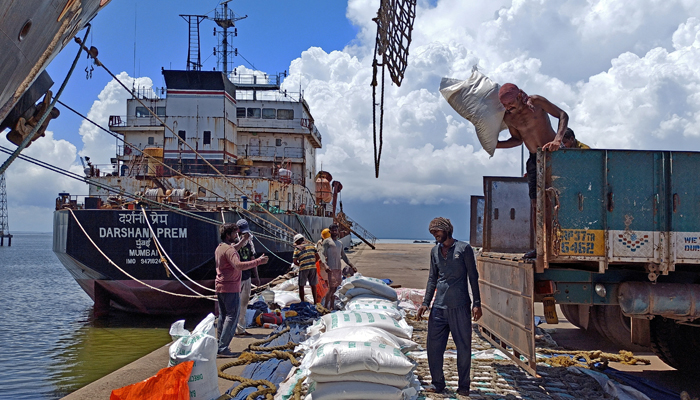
(263,140)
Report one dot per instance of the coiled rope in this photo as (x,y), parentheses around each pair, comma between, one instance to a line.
(265,387)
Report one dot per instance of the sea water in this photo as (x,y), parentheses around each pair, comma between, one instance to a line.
(50,344)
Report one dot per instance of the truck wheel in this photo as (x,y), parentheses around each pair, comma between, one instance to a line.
(570,312)
(676,345)
(615,326)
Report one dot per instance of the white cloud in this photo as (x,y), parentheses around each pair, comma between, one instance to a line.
(626,74)
(31,189)
(98,144)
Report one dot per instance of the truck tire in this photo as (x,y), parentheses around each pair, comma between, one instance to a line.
(615,326)
(570,312)
(676,345)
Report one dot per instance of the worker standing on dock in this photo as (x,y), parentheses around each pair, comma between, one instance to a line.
(228,285)
(527,118)
(246,252)
(333,252)
(451,266)
(306,256)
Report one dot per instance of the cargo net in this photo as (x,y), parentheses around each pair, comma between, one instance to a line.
(394,25)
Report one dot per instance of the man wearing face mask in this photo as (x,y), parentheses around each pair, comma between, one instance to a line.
(246,252)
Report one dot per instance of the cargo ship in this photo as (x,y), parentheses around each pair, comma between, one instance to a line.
(251,156)
(209,147)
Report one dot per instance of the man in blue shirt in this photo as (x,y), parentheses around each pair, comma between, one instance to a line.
(452,265)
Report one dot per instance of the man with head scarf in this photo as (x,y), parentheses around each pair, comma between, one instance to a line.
(452,272)
(527,118)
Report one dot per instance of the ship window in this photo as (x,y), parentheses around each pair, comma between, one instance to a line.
(269,113)
(151,140)
(182,134)
(289,197)
(277,195)
(240,112)
(285,114)
(253,113)
(278,142)
(206,139)
(142,112)
(160,111)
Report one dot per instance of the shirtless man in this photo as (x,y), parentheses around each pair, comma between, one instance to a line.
(528,122)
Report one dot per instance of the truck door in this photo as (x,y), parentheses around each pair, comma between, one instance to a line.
(684,208)
(575,194)
(636,206)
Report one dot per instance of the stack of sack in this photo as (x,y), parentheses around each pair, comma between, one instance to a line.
(359,352)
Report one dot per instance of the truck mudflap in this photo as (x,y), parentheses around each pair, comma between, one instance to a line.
(507,301)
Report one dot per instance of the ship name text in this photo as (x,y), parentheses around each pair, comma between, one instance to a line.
(168,233)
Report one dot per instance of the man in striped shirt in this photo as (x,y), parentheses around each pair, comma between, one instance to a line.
(305,256)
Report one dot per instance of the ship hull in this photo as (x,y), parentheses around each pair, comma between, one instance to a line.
(123,269)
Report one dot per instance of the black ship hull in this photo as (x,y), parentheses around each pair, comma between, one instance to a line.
(123,269)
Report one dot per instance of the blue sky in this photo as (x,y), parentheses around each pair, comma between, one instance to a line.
(627,73)
(141,37)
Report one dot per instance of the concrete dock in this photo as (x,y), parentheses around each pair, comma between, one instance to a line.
(407,265)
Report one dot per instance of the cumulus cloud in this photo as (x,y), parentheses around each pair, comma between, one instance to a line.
(626,74)
(31,189)
(98,144)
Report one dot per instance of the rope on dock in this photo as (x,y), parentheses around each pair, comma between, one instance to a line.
(265,387)
(199,296)
(591,358)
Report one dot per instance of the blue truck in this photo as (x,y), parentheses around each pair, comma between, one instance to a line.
(617,235)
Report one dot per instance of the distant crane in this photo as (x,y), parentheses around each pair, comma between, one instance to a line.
(4,228)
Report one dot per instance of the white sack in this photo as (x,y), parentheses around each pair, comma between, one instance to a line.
(343,319)
(387,308)
(476,99)
(359,334)
(397,381)
(342,357)
(199,346)
(289,284)
(374,285)
(357,390)
(284,298)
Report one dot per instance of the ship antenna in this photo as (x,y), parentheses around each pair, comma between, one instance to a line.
(226,19)
(194,60)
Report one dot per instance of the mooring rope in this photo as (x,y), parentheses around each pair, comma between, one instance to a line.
(162,259)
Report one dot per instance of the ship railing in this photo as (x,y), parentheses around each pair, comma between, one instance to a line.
(348,223)
(268,95)
(123,121)
(270,151)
